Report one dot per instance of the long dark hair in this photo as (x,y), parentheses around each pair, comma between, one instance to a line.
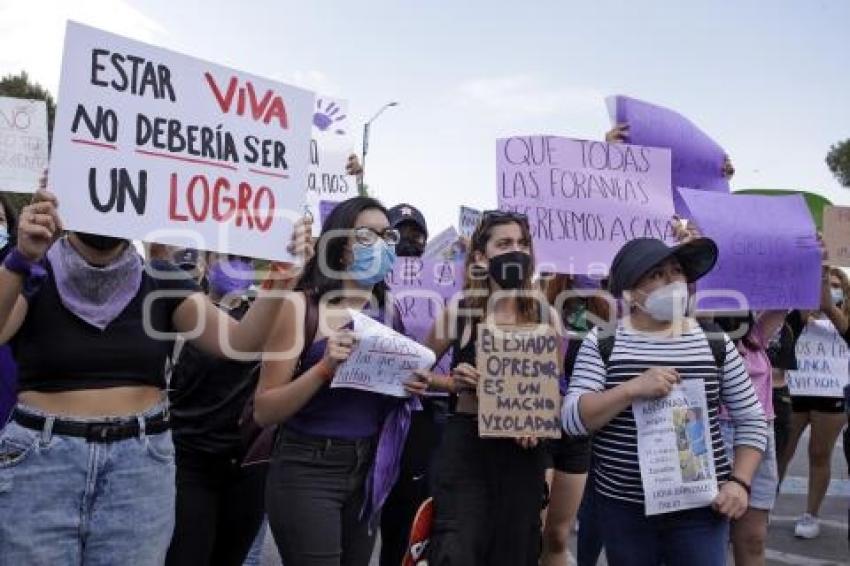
(313,281)
(11,224)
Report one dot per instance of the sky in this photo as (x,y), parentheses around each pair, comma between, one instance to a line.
(768,80)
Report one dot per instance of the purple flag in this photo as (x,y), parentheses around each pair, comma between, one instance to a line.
(768,251)
(697,160)
(584,199)
(421,288)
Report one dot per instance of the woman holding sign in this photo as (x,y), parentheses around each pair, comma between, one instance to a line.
(489,491)
(817,389)
(337,451)
(663,500)
(87,463)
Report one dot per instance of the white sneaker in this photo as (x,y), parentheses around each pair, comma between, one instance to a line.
(807,527)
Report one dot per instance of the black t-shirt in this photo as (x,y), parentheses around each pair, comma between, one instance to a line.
(58,351)
(781,347)
(207,395)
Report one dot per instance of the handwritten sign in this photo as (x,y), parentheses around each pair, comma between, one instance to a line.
(421,288)
(823,360)
(697,160)
(382,359)
(518,392)
(329,150)
(836,235)
(23,143)
(675,451)
(152,145)
(468,221)
(775,264)
(584,199)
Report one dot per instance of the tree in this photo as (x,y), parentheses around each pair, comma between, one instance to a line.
(19,86)
(838,161)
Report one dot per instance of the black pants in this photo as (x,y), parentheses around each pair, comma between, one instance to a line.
(414,480)
(314,495)
(782,422)
(487,500)
(219,510)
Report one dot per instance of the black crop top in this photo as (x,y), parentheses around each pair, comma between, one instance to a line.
(58,351)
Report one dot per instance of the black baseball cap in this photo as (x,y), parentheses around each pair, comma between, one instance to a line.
(402,213)
(637,257)
(186,258)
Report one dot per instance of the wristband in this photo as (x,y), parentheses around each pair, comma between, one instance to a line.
(742,483)
(16,262)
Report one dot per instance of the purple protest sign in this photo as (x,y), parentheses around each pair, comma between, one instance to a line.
(421,288)
(768,251)
(697,160)
(325,209)
(584,199)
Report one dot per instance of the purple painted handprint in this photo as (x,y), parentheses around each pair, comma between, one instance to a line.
(327,116)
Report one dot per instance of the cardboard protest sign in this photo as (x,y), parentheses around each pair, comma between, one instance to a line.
(836,235)
(769,251)
(468,221)
(518,392)
(823,362)
(584,199)
(382,359)
(329,150)
(697,160)
(421,288)
(153,145)
(23,143)
(675,450)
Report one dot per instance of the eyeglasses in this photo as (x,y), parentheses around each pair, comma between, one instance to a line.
(366,236)
(504,215)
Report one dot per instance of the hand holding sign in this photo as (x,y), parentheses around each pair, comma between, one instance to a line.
(39,225)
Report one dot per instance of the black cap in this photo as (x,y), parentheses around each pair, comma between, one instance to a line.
(186,258)
(637,257)
(402,213)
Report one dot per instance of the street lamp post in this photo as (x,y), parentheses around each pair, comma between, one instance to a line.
(362,188)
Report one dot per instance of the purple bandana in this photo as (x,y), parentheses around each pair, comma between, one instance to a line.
(95,294)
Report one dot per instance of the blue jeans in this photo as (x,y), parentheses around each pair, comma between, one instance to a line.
(64,500)
(696,537)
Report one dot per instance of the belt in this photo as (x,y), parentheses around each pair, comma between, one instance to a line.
(101,432)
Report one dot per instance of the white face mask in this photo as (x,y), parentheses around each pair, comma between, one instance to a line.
(837,296)
(667,303)
(4,236)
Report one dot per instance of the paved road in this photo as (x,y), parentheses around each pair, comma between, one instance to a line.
(830,549)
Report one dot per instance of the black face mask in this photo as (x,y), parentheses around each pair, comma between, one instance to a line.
(510,270)
(408,248)
(100,243)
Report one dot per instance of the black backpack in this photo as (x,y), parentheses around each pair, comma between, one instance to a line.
(713,333)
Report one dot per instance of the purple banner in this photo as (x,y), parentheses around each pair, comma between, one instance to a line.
(697,160)
(768,251)
(584,199)
(421,288)
(325,209)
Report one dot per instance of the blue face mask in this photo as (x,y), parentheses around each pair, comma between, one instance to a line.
(372,263)
(4,237)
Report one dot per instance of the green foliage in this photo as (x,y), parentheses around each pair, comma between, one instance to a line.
(838,161)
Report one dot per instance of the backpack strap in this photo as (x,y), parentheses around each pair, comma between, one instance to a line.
(716,341)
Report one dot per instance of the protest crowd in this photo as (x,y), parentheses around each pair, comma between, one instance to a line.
(599,352)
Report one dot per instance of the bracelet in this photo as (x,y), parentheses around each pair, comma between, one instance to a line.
(742,483)
(16,262)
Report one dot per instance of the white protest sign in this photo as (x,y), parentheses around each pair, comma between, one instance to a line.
(157,146)
(329,150)
(382,359)
(675,450)
(823,360)
(468,221)
(441,244)
(23,143)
